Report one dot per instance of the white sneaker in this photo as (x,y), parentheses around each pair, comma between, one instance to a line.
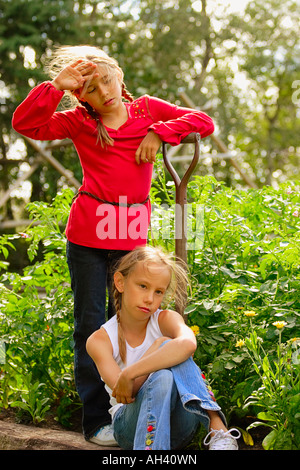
(221,440)
(104,437)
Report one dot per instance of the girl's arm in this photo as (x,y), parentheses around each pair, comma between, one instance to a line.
(36,116)
(182,345)
(99,348)
(171,124)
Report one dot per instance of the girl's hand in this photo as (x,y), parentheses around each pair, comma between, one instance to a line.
(123,389)
(132,386)
(148,148)
(74,76)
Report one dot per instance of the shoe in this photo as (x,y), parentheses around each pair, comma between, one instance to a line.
(221,440)
(104,437)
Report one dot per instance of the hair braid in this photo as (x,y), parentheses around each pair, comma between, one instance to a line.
(103,135)
(121,337)
(126,94)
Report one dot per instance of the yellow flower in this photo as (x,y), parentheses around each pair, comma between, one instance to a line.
(279,324)
(240,343)
(195,329)
(250,313)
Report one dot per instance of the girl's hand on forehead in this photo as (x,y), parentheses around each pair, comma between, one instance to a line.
(75,76)
(88,72)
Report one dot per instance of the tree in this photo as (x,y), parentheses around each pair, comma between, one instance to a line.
(28,29)
(268,50)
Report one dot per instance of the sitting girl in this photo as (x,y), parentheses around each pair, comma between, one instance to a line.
(144,356)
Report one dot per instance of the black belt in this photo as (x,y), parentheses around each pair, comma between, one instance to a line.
(120,204)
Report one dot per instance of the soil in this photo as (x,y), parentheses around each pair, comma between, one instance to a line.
(11,417)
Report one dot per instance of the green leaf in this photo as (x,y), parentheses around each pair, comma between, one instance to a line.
(246,437)
(266,416)
(269,440)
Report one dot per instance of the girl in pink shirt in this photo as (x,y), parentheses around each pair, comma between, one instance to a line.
(116,142)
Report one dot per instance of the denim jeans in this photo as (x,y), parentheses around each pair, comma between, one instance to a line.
(167,410)
(91,271)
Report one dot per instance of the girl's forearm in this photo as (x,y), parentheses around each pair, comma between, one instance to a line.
(170,354)
(138,382)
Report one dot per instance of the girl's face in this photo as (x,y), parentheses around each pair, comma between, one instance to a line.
(143,289)
(104,91)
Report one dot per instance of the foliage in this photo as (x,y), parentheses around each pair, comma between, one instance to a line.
(268,49)
(244,276)
(248,266)
(37,329)
(33,401)
(279,394)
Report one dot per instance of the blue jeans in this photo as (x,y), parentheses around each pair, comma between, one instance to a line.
(167,410)
(91,272)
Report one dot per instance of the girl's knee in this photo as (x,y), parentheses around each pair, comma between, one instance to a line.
(163,379)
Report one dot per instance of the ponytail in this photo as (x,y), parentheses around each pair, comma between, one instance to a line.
(103,136)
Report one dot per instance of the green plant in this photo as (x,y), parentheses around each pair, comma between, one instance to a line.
(279,393)
(244,276)
(32,400)
(249,261)
(36,320)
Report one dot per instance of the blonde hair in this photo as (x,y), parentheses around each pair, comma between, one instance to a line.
(66,55)
(176,290)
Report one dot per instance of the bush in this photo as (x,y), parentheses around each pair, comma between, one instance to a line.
(244,275)
(37,329)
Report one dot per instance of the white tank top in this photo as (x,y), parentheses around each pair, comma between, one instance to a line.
(132,354)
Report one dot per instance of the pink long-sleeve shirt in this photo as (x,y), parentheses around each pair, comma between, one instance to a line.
(111,173)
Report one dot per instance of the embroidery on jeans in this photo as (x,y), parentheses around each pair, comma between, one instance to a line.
(209,389)
(150,433)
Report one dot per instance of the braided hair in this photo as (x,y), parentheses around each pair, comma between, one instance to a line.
(176,289)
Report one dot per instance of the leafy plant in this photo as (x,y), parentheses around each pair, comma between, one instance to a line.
(279,393)
(32,400)
(244,276)
(249,263)
(36,321)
